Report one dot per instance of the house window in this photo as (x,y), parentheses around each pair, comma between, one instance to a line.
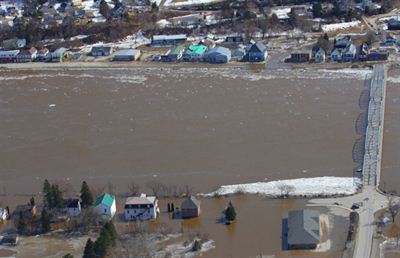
(105,210)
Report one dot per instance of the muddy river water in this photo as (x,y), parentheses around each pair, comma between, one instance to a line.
(197,126)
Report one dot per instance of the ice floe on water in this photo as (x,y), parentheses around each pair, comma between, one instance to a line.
(309,187)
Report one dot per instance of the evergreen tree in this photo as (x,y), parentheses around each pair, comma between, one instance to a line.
(47,194)
(102,244)
(57,197)
(21,224)
(68,256)
(89,250)
(45,221)
(32,201)
(317,10)
(230,213)
(110,229)
(86,195)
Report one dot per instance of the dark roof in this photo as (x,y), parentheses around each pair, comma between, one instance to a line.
(102,48)
(190,203)
(72,203)
(258,47)
(303,227)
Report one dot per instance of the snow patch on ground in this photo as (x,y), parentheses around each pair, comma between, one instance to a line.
(340,26)
(175,3)
(182,250)
(310,187)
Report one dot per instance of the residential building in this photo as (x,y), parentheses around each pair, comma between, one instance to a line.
(101,51)
(141,208)
(105,205)
(168,40)
(9,240)
(342,42)
(394,24)
(73,207)
(194,52)
(336,55)
(218,55)
(363,52)
(190,207)
(26,55)
(127,55)
(378,55)
(300,56)
(235,39)
(349,53)
(303,229)
(239,53)
(9,56)
(320,56)
(43,54)
(174,54)
(3,214)
(59,55)
(256,53)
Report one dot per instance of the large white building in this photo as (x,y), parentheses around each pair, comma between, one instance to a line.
(141,208)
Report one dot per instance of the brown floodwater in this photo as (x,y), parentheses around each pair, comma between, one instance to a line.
(180,125)
(390,177)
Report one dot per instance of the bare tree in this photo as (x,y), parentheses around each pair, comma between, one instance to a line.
(134,189)
(155,186)
(393,206)
(285,189)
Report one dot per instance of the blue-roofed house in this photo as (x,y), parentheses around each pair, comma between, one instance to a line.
(105,205)
(218,55)
(256,53)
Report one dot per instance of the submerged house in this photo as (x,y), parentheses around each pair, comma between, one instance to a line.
(303,229)
(168,40)
(256,53)
(363,52)
(105,205)
(300,56)
(190,208)
(73,207)
(127,55)
(9,56)
(141,208)
(349,53)
(218,55)
(194,53)
(320,56)
(26,55)
(174,54)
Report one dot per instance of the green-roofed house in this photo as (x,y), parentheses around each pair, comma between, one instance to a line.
(105,205)
(174,54)
(194,53)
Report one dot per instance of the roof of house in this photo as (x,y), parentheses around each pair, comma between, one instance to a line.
(196,49)
(143,199)
(169,37)
(72,203)
(258,47)
(303,227)
(176,50)
(102,48)
(299,51)
(219,50)
(190,203)
(105,199)
(127,52)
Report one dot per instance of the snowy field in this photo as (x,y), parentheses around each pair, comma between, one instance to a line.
(310,187)
(340,26)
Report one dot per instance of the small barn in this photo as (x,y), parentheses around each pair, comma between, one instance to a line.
(303,229)
(218,55)
(190,208)
(127,55)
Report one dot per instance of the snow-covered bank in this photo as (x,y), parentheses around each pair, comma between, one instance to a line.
(340,26)
(310,187)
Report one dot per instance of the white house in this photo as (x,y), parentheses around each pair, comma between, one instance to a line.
(105,205)
(141,208)
(73,207)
